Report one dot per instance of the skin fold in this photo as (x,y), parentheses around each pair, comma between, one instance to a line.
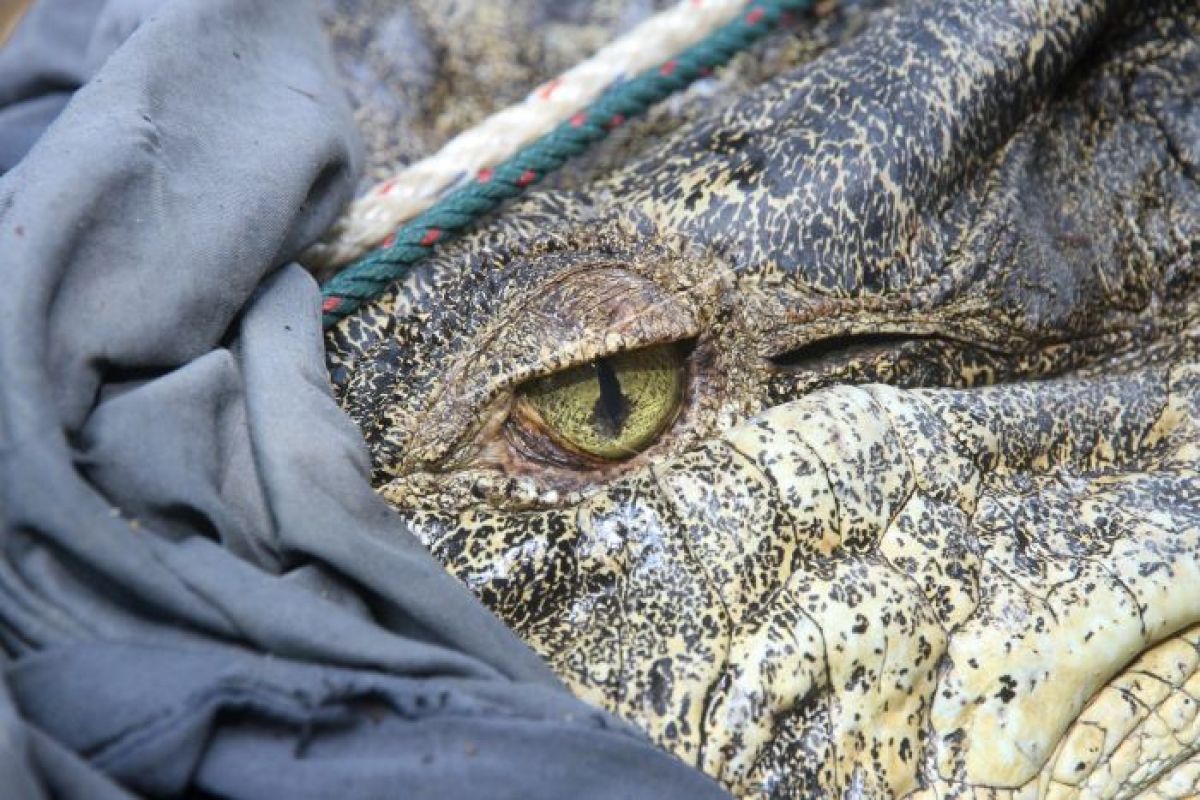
(926,519)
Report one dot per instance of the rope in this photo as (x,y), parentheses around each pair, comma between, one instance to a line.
(368,278)
(398,199)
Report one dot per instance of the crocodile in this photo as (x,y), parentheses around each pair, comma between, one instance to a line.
(845,436)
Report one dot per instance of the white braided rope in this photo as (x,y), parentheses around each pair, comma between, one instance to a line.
(370,219)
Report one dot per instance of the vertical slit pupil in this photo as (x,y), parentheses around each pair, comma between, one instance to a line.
(612,408)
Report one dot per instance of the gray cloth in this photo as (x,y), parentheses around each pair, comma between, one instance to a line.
(200,594)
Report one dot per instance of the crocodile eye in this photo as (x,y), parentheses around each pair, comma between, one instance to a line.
(611,408)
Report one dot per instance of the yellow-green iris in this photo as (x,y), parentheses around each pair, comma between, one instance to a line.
(613,407)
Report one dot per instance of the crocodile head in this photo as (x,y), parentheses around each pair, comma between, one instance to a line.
(846,438)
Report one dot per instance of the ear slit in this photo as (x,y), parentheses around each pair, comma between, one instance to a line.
(822,350)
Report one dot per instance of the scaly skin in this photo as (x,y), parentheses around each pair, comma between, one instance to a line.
(815,583)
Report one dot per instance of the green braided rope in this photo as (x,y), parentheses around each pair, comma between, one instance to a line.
(369,277)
